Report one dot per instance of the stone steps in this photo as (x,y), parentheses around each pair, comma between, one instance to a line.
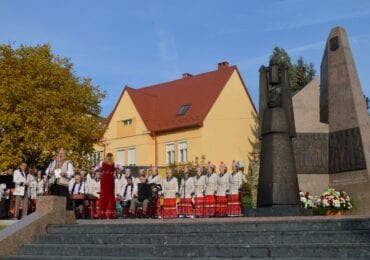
(251,237)
(37,257)
(201,250)
(220,227)
(239,238)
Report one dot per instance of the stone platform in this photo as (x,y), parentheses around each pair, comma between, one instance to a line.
(318,237)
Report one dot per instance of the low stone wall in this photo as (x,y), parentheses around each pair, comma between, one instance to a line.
(50,210)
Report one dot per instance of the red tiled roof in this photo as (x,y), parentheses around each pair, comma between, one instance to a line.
(158,105)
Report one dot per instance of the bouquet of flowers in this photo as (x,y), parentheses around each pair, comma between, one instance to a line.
(307,201)
(333,200)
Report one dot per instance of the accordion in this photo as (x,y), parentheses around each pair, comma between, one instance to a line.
(145,191)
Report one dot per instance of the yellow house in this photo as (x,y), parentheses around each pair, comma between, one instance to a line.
(198,118)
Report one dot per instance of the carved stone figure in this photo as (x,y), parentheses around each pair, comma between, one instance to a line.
(278,184)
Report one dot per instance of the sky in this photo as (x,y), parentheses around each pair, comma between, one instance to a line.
(141,43)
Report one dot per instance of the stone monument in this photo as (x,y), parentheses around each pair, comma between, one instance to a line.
(278,193)
(338,153)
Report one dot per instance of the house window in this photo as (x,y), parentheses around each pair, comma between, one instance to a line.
(127,122)
(183,152)
(170,153)
(131,156)
(183,110)
(121,156)
(96,157)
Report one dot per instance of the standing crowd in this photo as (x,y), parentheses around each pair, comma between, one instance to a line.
(108,191)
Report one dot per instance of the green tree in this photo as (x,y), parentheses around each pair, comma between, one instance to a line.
(300,73)
(367,100)
(44,106)
(304,73)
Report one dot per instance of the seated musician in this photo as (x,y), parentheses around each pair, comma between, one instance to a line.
(126,195)
(142,196)
(77,192)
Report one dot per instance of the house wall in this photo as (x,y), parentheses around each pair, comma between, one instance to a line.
(193,137)
(228,128)
(227,133)
(118,136)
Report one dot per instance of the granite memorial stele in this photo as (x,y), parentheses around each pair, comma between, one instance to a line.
(332,147)
(278,192)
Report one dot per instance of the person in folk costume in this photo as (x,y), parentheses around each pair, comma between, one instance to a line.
(118,183)
(170,193)
(10,207)
(199,189)
(41,188)
(85,182)
(32,189)
(154,177)
(140,197)
(128,174)
(222,191)
(91,175)
(234,201)
(59,172)
(93,190)
(107,205)
(4,201)
(77,188)
(20,190)
(210,191)
(126,195)
(187,190)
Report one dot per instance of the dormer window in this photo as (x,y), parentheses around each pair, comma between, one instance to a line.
(183,110)
(127,122)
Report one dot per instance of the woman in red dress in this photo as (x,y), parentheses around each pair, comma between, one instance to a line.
(107,207)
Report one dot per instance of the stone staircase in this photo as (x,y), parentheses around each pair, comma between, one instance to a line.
(237,238)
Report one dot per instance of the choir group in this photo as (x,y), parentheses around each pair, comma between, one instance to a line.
(94,195)
(204,195)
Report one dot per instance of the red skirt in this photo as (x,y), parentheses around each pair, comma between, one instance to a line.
(107,198)
(94,208)
(157,208)
(169,208)
(209,205)
(221,206)
(234,205)
(186,207)
(31,206)
(199,209)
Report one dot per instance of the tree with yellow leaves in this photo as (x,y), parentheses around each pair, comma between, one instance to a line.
(45,106)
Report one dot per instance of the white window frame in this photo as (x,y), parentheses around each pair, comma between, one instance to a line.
(127,122)
(170,153)
(96,157)
(183,151)
(131,157)
(121,151)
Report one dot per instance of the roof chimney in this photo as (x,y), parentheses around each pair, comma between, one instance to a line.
(223,64)
(186,75)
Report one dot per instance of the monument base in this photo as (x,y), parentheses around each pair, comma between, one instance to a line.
(277,212)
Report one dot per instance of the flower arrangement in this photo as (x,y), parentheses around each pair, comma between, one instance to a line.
(307,201)
(334,200)
(329,201)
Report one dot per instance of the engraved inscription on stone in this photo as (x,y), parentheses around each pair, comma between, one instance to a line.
(346,151)
(311,152)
